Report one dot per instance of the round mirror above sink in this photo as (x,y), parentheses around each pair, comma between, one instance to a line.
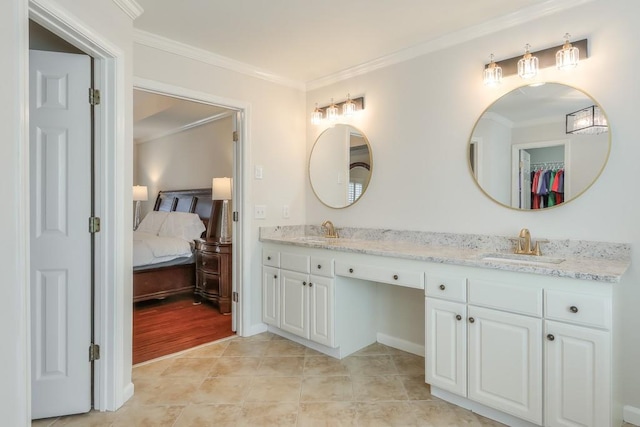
(340,166)
(539,147)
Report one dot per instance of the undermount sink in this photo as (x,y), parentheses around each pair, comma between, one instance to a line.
(520,258)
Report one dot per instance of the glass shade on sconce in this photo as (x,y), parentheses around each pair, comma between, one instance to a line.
(528,65)
(221,189)
(349,107)
(567,57)
(588,121)
(316,116)
(492,74)
(140,194)
(332,112)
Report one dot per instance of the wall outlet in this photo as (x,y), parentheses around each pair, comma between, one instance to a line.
(260,212)
(285,211)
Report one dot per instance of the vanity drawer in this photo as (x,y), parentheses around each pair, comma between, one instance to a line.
(411,279)
(582,309)
(322,266)
(451,288)
(508,297)
(270,258)
(294,262)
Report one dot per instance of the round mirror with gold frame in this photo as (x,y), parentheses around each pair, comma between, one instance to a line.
(539,146)
(340,166)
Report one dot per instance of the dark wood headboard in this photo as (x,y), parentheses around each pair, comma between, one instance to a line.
(194,201)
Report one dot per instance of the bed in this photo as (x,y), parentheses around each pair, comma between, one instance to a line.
(168,274)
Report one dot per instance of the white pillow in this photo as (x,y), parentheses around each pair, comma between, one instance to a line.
(187,226)
(152,222)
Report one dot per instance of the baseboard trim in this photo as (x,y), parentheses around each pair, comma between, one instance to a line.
(255,330)
(128,391)
(401,344)
(631,415)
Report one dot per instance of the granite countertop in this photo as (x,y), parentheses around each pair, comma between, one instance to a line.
(586,260)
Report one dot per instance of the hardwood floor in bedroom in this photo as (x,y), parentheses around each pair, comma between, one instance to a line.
(162,327)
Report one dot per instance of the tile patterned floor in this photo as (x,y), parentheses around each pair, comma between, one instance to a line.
(266,380)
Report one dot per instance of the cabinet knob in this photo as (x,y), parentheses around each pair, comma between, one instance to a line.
(275,276)
(310,284)
(442,287)
(573,309)
(319,266)
(351,270)
(471,320)
(268,258)
(304,283)
(204,283)
(550,337)
(204,262)
(458,317)
(395,277)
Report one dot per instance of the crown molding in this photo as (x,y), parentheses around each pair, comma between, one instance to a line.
(186,127)
(162,43)
(130,7)
(519,17)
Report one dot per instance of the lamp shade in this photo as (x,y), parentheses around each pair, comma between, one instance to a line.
(140,193)
(221,189)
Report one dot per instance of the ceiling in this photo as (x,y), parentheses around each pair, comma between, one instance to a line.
(304,40)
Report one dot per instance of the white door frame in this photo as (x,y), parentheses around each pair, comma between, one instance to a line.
(241,272)
(110,392)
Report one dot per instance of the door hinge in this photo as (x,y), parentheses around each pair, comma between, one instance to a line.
(235,136)
(94,96)
(235,216)
(235,297)
(94,224)
(94,352)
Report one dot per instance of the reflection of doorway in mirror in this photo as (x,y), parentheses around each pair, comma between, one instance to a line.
(531,157)
(475,158)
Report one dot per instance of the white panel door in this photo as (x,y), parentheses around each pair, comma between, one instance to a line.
(271,296)
(578,376)
(505,362)
(446,345)
(321,310)
(294,300)
(60,197)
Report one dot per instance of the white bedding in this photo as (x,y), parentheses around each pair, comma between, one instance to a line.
(152,249)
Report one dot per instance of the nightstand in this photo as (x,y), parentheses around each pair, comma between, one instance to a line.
(213,273)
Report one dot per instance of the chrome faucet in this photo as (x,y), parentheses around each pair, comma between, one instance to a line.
(329,230)
(524,244)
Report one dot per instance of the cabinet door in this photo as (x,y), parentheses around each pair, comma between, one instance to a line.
(577,376)
(293,297)
(321,310)
(446,345)
(505,362)
(271,296)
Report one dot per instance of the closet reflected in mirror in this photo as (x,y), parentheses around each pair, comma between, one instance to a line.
(340,166)
(539,147)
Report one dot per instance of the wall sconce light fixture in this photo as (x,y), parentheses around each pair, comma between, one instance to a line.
(492,73)
(523,66)
(140,194)
(332,111)
(567,57)
(588,121)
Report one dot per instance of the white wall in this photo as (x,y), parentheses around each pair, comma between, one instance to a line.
(188,159)
(419,116)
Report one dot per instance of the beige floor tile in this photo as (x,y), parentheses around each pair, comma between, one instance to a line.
(309,352)
(280,348)
(437,413)
(44,422)
(324,366)
(265,336)
(370,389)
(165,390)
(408,364)
(370,365)
(327,414)
(210,416)
(189,367)
(415,387)
(151,369)
(278,389)
(216,390)
(386,414)
(246,348)
(209,350)
(90,419)
(268,414)
(325,389)
(281,366)
(147,416)
(235,366)
(374,349)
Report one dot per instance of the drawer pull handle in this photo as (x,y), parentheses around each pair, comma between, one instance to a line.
(268,258)
(304,283)
(443,287)
(204,262)
(550,337)
(395,277)
(310,284)
(458,317)
(573,309)
(351,270)
(471,320)
(275,276)
(319,266)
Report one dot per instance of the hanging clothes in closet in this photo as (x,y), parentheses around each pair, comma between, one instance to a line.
(547,187)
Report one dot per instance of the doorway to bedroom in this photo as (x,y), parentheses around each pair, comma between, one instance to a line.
(182,297)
